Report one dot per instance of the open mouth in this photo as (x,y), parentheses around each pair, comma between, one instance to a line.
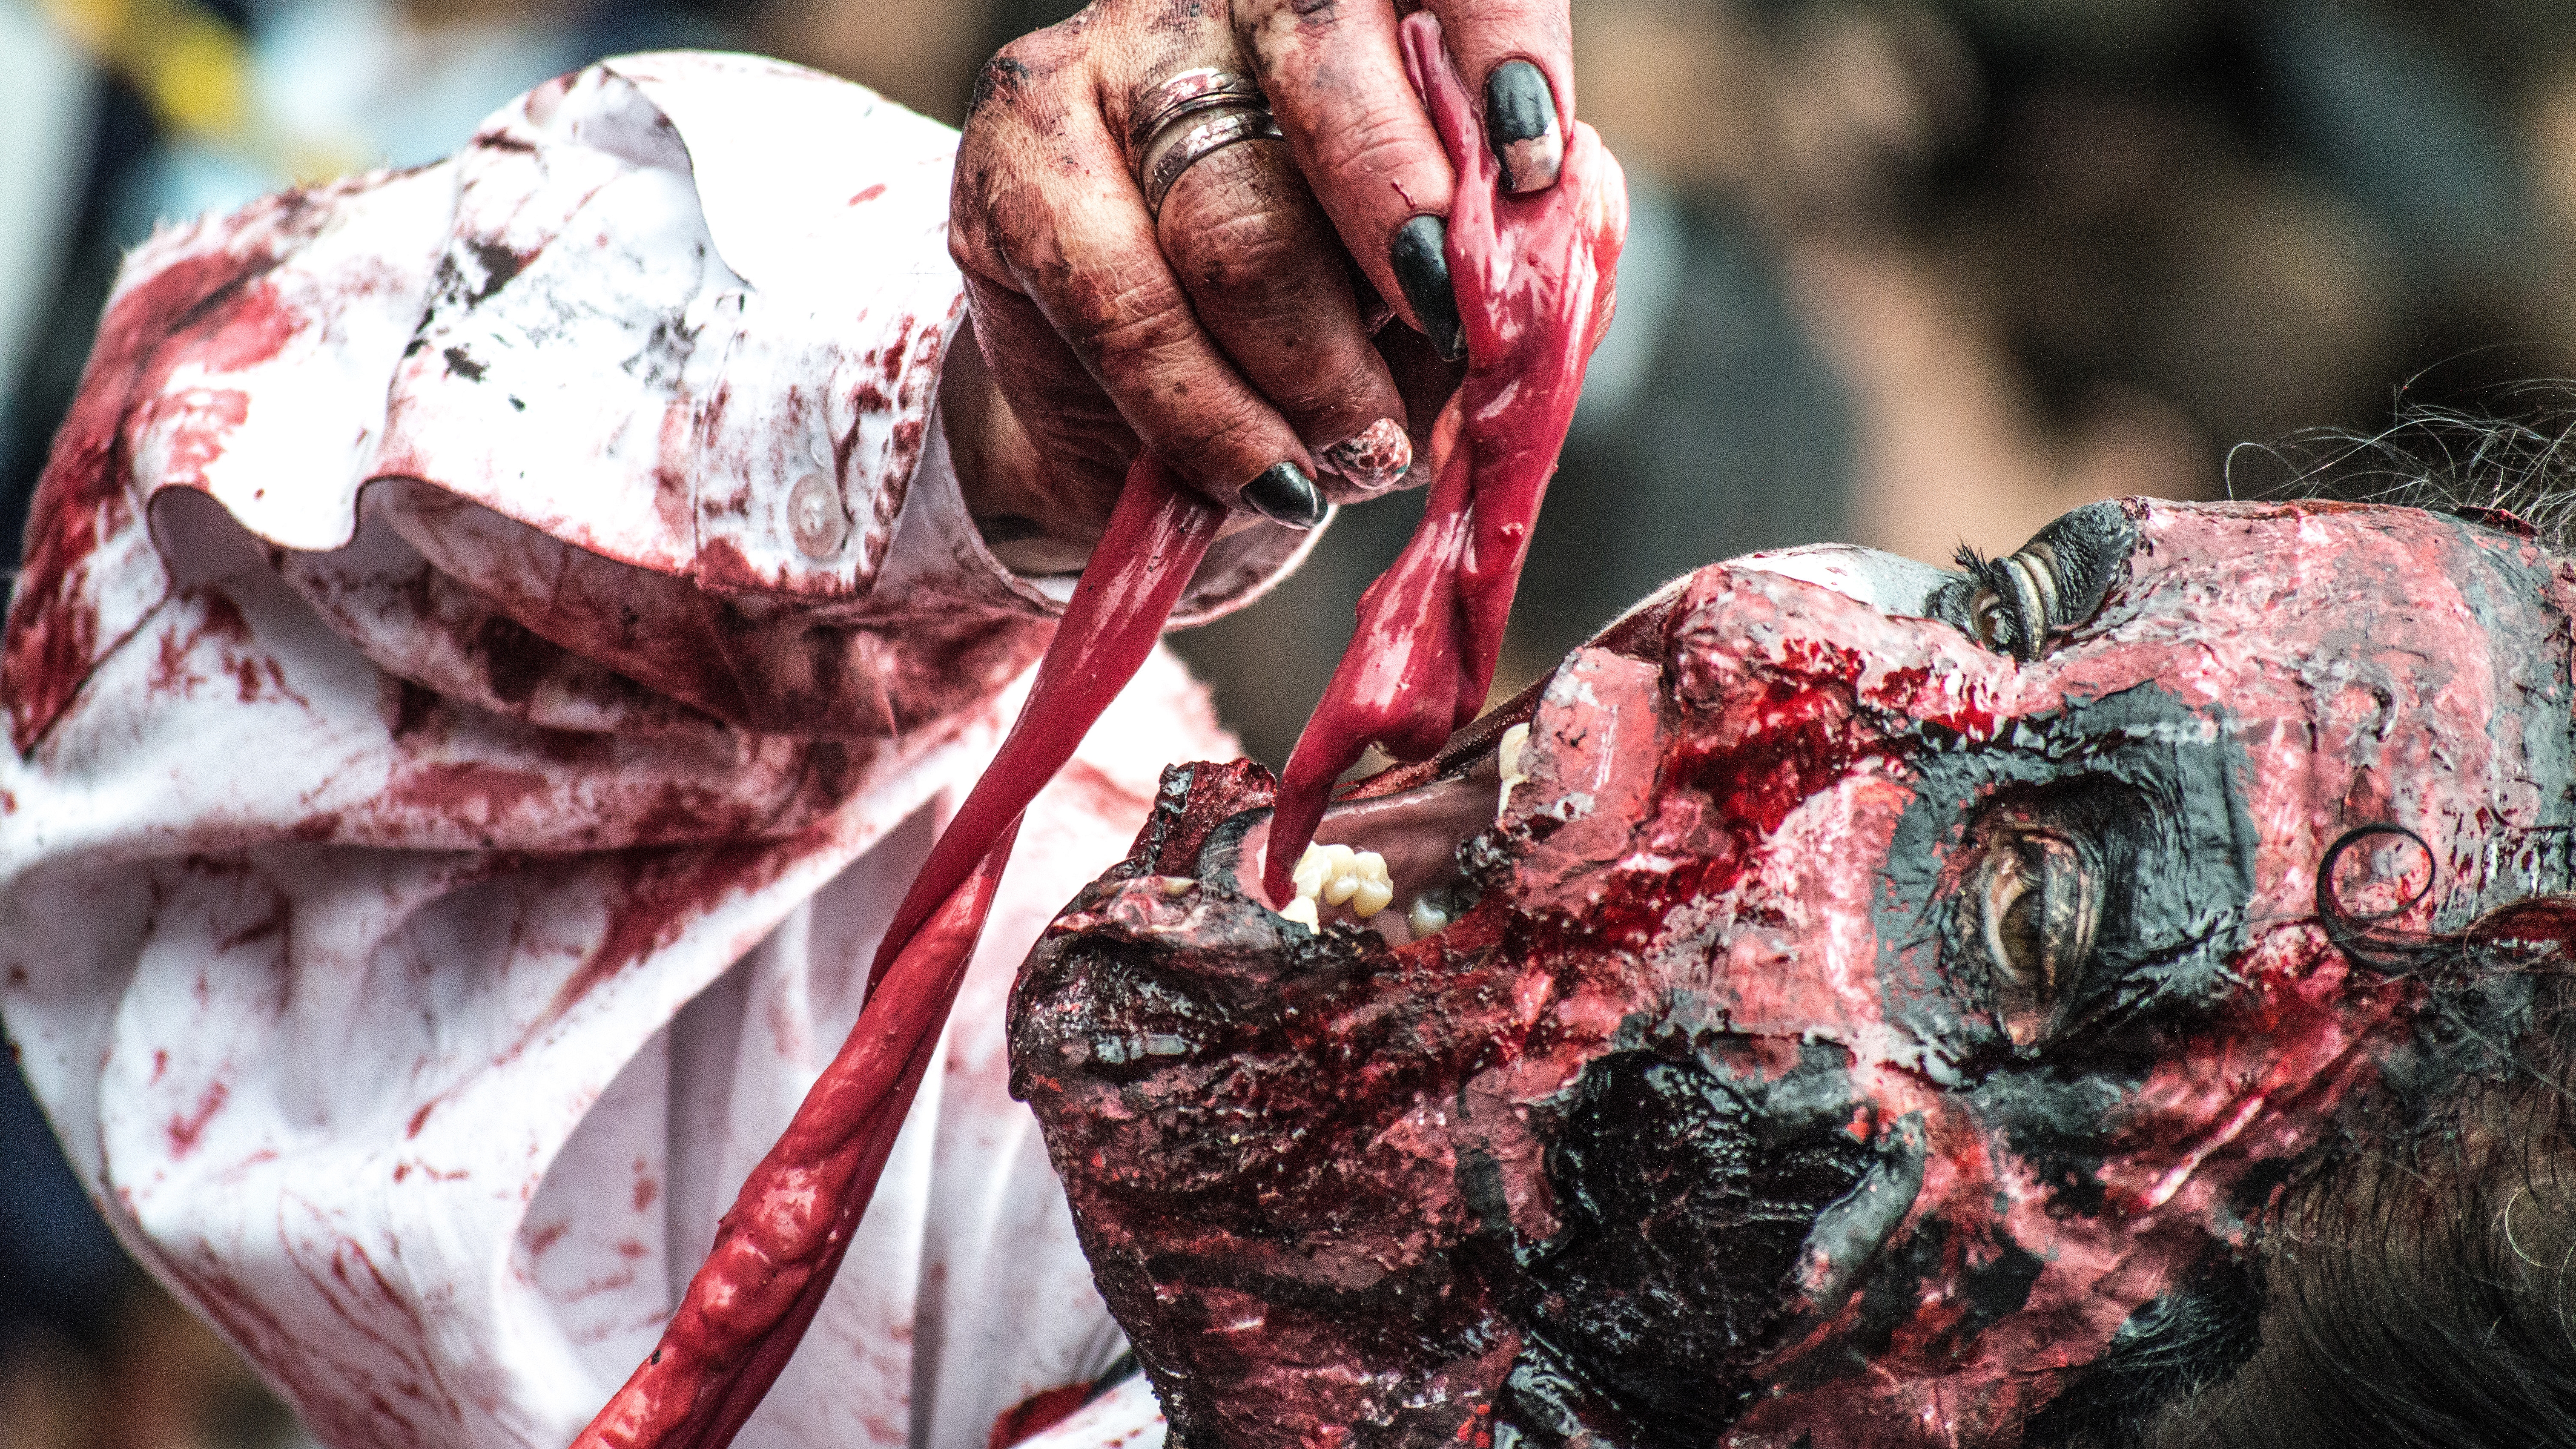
(1387,856)
(1386,859)
(1218,1078)
(1380,1163)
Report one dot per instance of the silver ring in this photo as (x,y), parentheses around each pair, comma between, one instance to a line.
(1189,117)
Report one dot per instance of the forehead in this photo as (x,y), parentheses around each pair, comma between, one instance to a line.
(2374,664)
(2281,672)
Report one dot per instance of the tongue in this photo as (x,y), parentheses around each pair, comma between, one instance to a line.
(1533,275)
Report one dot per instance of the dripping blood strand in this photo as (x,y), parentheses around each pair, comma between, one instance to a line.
(778,1248)
(1533,277)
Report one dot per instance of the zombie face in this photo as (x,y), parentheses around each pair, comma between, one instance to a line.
(1868,1006)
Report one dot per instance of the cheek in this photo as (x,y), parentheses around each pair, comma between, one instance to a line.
(2370,753)
(1792,949)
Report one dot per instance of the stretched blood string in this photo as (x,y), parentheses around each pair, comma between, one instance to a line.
(778,1248)
(1532,274)
(1529,274)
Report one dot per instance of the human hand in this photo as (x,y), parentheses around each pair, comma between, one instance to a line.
(1238,329)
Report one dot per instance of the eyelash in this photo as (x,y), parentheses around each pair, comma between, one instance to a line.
(2036,905)
(2056,581)
(2016,601)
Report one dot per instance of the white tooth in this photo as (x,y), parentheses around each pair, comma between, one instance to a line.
(1312,867)
(1372,897)
(1177,885)
(1374,888)
(1302,911)
(1508,756)
(1343,877)
(1425,918)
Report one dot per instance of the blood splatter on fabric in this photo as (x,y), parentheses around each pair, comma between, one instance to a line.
(779,1246)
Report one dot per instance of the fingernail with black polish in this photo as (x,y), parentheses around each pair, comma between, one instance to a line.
(1422,270)
(1520,121)
(1284,494)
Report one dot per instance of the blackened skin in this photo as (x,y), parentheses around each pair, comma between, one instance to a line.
(1681,1228)
(1754,1098)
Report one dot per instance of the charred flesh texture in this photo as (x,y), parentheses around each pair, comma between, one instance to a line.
(1864,1026)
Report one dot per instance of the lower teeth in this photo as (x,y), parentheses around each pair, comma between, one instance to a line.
(1425,918)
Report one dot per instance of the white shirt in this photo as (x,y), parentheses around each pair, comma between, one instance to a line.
(496,641)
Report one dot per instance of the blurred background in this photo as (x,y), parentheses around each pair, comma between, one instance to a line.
(1904,273)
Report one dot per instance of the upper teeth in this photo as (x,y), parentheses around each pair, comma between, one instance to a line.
(1333,875)
(1508,756)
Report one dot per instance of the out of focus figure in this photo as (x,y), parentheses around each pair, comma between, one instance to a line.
(1913,273)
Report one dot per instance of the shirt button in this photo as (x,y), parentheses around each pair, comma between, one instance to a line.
(814,517)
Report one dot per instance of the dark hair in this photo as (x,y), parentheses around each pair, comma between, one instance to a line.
(2414,1283)
(2516,455)
(2417,1289)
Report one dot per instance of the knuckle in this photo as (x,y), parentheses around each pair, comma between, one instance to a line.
(1018,75)
(1264,250)
(1541,26)
(1376,140)
(1220,443)
(1125,325)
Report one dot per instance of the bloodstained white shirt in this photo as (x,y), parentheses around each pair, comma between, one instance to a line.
(495,642)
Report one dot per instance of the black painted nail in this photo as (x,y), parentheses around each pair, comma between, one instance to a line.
(1284,494)
(1520,122)
(1422,270)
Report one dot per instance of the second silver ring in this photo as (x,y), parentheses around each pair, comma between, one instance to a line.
(1188,117)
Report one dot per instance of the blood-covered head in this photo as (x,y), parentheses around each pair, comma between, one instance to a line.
(1850,1004)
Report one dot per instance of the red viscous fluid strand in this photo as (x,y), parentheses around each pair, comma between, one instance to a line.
(1533,276)
(778,1248)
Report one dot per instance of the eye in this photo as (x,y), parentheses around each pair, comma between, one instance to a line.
(2055,581)
(2038,904)
(1989,624)
(2015,601)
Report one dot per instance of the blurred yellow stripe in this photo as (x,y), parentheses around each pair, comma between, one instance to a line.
(181,56)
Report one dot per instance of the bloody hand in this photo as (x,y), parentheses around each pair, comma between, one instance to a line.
(1240,330)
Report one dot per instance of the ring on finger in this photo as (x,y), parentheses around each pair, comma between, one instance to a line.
(1187,117)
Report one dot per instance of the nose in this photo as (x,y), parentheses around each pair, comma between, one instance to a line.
(1890,583)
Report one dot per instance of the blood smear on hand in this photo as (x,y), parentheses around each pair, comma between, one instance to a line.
(1534,276)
